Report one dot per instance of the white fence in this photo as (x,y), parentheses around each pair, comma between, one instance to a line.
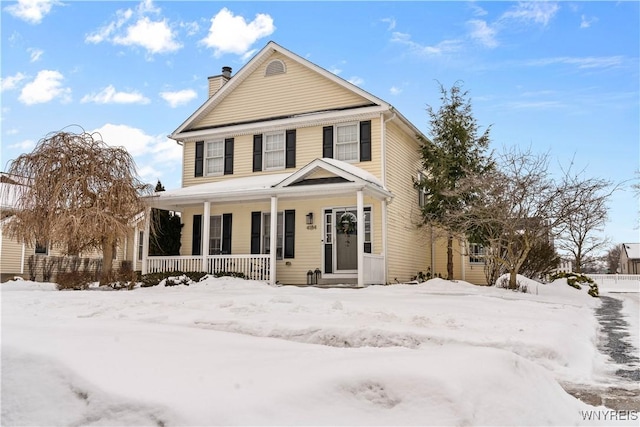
(617,282)
(373,269)
(254,267)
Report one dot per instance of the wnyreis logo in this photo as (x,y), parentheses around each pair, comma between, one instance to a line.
(610,415)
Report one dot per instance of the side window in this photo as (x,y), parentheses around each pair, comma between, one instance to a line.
(42,248)
(476,253)
(215,235)
(422,192)
(266,234)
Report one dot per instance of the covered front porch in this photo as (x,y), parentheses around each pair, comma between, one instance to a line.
(327,219)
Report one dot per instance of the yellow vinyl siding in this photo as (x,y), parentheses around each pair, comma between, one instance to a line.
(409,247)
(308,148)
(11,257)
(299,90)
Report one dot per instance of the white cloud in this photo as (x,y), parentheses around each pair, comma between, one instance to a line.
(586,62)
(191,28)
(483,33)
(355,80)
(31,11)
(539,12)
(335,70)
(391,23)
(45,87)
(11,82)
(155,36)
(24,146)
(444,47)
(109,95)
(232,34)
(395,90)
(35,54)
(151,153)
(586,22)
(178,98)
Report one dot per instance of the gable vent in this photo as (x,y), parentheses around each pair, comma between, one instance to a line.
(275,67)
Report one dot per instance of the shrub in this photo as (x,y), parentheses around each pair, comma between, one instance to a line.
(123,278)
(154,279)
(74,280)
(237,274)
(576,279)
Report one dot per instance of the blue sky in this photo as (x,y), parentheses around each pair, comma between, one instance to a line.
(558,77)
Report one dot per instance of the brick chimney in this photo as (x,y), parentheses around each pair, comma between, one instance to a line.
(216,82)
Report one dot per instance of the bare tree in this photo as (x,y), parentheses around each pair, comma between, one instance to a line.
(518,207)
(589,198)
(613,258)
(77,193)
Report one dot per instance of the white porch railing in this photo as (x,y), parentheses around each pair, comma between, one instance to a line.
(373,269)
(617,282)
(254,267)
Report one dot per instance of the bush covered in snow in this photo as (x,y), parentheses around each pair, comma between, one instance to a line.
(576,280)
(155,279)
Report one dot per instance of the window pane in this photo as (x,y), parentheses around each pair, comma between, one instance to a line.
(347,134)
(347,152)
(274,151)
(215,235)
(266,234)
(215,165)
(274,159)
(215,158)
(274,142)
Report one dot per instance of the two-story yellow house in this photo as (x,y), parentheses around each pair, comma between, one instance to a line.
(293,175)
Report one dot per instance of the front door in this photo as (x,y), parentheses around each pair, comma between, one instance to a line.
(346,250)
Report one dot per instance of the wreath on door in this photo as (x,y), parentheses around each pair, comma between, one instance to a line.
(348,224)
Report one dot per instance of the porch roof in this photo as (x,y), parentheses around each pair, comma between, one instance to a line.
(349,178)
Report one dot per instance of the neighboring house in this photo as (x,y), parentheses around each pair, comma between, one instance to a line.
(630,258)
(42,260)
(293,175)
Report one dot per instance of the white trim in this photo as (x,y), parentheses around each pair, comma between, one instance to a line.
(206,232)
(205,158)
(360,236)
(384,238)
(145,241)
(272,242)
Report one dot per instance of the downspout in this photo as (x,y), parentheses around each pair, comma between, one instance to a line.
(383,166)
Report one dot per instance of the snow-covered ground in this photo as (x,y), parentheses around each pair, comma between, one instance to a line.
(233,352)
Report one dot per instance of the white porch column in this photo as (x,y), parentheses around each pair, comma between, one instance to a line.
(145,240)
(206,232)
(273,237)
(360,209)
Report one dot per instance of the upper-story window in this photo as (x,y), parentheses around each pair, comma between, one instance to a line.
(347,143)
(274,151)
(422,192)
(214,157)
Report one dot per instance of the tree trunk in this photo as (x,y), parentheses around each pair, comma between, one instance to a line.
(513,276)
(450,257)
(108,244)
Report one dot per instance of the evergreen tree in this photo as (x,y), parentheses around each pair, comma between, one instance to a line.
(456,150)
(165,240)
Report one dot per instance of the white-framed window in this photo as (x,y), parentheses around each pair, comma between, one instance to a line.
(274,151)
(347,146)
(422,192)
(367,227)
(476,253)
(140,244)
(266,234)
(215,235)
(214,157)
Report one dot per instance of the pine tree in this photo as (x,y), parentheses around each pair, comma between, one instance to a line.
(165,240)
(455,151)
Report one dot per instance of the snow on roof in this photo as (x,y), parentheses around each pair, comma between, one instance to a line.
(249,183)
(632,249)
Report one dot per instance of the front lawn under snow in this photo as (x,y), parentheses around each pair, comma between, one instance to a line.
(234,352)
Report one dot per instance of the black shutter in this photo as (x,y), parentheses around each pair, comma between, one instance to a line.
(365,141)
(199,168)
(257,153)
(289,233)
(196,242)
(228,156)
(328,249)
(226,233)
(290,153)
(256,225)
(327,142)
